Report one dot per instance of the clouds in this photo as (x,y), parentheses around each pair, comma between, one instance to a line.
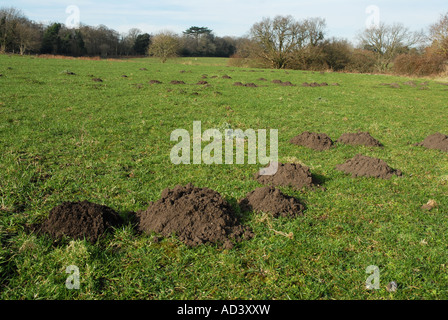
(233,17)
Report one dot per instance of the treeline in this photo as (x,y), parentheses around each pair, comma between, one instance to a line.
(279,42)
(283,42)
(18,34)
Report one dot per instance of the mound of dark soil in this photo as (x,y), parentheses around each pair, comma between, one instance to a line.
(437,141)
(226,77)
(251,85)
(202,82)
(143,69)
(287,84)
(238,84)
(177,82)
(195,215)
(410,83)
(262,79)
(277,81)
(288,175)
(273,201)
(97,80)
(79,220)
(316,141)
(155,82)
(391,85)
(365,166)
(360,138)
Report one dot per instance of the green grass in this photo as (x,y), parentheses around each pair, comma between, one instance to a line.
(66,138)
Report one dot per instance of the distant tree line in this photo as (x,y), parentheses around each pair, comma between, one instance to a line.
(279,42)
(283,42)
(18,34)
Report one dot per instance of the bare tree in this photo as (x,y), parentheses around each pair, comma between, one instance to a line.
(438,34)
(164,45)
(9,18)
(314,30)
(387,41)
(28,36)
(276,39)
(280,39)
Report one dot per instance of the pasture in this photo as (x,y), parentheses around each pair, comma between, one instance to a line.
(74,129)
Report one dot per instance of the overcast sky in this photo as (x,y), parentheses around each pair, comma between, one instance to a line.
(233,17)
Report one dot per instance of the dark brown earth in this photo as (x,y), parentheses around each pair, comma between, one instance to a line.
(195,215)
(316,141)
(360,138)
(437,141)
(238,84)
(288,175)
(273,201)
(177,82)
(251,84)
(97,80)
(226,77)
(363,166)
(202,82)
(287,84)
(155,82)
(277,81)
(78,220)
(391,85)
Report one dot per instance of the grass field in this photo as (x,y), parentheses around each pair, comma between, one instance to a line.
(67,138)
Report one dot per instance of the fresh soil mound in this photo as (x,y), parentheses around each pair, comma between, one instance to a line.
(79,220)
(155,82)
(316,141)
(97,80)
(287,84)
(177,82)
(273,201)
(365,166)
(226,77)
(251,85)
(202,82)
(277,81)
(288,175)
(437,141)
(195,215)
(238,84)
(262,79)
(360,138)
